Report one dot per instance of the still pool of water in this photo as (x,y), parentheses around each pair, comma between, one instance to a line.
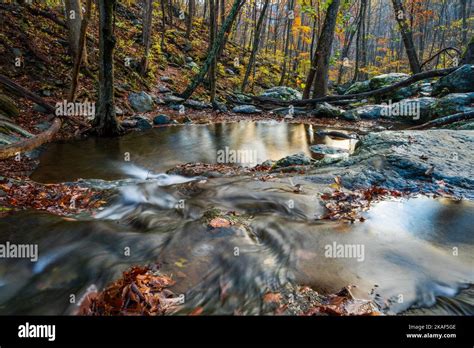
(160,149)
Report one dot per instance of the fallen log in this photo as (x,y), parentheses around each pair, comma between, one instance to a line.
(381,91)
(463,116)
(31,143)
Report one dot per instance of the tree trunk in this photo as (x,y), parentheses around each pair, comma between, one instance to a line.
(468,56)
(189,24)
(105,122)
(73,21)
(79,55)
(320,68)
(287,42)
(213,12)
(199,78)
(256,41)
(147,30)
(407,36)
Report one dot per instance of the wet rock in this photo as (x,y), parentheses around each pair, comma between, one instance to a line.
(246,109)
(299,159)
(282,93)
(196,104)
(161,120)
(141,102)
(326,110)
(143,124)
(459,81)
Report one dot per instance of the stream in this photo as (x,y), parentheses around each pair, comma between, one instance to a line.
(411,252)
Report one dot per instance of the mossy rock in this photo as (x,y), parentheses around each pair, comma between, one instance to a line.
(8,107)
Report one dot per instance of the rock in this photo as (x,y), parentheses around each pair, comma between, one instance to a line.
(299,159)
(172,99)
(141,102)
(129,123)
(39,108)
(282,93)
(459,81)
(323,149)
(368,112)
(46,93)
(8,107)
(187,119)
(193,66)
(42,126)
(326,110)
(163,89)
(189,59)
(452,104)
(161,119)
(268,163)
(385,80)
(143,124)
(426,89)
(297,111)
(230,72)
(399,160)
(159,101)
(242,98)
(195,104)
(166,79)
(358,87)
(246,109)
(410,109)
(220,107)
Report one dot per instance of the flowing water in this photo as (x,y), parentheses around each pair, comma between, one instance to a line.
(410,252)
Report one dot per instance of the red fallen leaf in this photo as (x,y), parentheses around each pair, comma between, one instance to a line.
(197,311)
(219,222)
(271,297)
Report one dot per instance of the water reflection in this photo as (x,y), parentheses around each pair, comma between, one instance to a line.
(162,148)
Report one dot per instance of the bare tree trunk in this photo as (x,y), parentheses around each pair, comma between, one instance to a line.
(79,55)
(407,36)
(320,68)
(256,41)
(105,122)
(212,38)
(289,20)
(147,30)
(199,78)
(189,25)
(73,21)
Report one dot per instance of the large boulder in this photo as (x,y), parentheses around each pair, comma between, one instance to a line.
(452,104)
(459,81)
(161,120)
(385,80)
(141,102)
(282,93)
(416,109)
(358,87)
